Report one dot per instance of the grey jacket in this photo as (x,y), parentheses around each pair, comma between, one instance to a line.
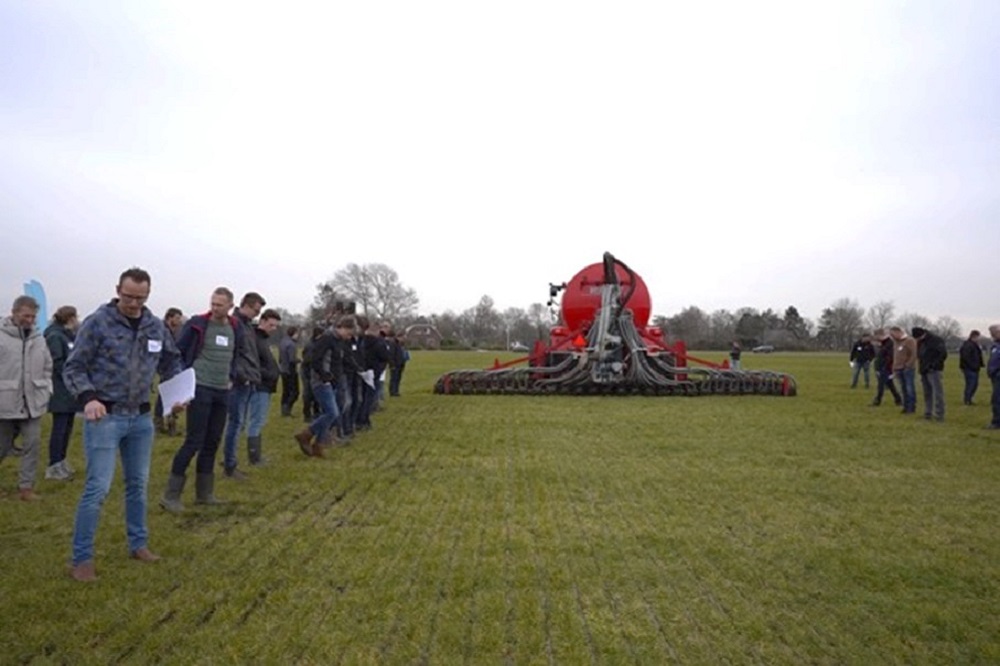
(288,358)
(25,372)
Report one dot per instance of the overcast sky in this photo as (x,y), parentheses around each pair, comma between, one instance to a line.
(734,154)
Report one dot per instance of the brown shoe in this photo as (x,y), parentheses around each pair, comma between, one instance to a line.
(317,450)
(28,495)
(83,572)
(145,555)
(304,438)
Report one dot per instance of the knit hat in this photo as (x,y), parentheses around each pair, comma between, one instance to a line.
(917,332)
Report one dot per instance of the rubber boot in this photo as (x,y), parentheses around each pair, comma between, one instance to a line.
(304,438)
(204,489)
(254,450)
(171,500)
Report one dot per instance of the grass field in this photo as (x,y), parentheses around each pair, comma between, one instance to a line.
(745,530)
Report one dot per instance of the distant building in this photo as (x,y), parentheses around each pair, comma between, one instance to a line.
(424,336)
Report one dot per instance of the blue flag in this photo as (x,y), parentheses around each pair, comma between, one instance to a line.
(34,289)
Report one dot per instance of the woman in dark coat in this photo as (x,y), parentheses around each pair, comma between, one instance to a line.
(59,338)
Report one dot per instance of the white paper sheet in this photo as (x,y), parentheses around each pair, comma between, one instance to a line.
(177,390)
(368,376)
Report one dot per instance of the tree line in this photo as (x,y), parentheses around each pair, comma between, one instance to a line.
(376,290)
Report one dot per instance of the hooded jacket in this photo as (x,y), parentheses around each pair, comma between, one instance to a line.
(25,372)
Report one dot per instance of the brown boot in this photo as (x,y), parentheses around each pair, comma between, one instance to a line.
(83,572)
(145,555)
(317,450)
(304,438)
(28,495)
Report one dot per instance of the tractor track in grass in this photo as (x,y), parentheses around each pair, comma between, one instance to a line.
(588,539)
(608,537)
(296,517)
(542,578)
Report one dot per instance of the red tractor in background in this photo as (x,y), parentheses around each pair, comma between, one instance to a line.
(605,345)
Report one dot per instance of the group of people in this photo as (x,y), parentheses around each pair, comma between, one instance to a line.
(898,357)
(106,367)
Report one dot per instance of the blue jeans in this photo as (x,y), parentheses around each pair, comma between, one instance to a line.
(908,387)
(933,394)
(971,384)
(324,395)
(858,367)
(260,404)
(206,419)
(132,437)
(239,403)
(345,402)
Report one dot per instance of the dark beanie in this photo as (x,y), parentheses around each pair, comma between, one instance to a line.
(917,332)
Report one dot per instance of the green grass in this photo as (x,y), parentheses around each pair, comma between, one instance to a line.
(513,529)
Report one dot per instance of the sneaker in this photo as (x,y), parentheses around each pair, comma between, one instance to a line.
(56,472)
(236,475)
(66,468)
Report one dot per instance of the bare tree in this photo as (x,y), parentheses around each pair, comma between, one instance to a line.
(908,320)
(880,315)
(377,291)
(948,328)
(840,323)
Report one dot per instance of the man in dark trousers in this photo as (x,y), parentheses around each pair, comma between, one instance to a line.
(993,372)
(207,344)
(931,354)
(310,408)
(288,363)
(862,354)
(883,369)
(970,362)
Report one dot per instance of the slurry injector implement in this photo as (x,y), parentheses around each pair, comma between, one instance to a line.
(604,346)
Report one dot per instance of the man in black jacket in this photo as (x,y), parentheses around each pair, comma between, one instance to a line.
(326,365)
(883,369)
(931,354)
(862,353)
(288,364)
(376,358)
(260,401)
(970,362)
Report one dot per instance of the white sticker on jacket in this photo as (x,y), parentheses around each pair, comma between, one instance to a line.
(69,344)
(221,341)
(155,346)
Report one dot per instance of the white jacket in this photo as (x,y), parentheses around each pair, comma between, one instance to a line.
(25,373)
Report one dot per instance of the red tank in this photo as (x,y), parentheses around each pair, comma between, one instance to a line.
(582,297)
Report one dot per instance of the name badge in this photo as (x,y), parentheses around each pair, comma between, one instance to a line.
(221,341)
(70,345)
(155,346)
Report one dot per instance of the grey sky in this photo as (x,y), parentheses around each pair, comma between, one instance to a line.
(734,155)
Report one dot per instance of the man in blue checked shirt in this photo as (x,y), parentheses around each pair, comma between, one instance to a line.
(110,371)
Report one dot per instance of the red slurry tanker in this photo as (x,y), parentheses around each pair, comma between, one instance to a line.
(605,345)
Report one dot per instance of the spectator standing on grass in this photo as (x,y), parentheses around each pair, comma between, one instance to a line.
(862,354)
(904,367)
(970,362)
(174,321)
(399,358)
(734,355)
(110,371)
(345,386)
(326,367)
(931,352)
(59,337)
(207,344)
(260,402)
(883,369)
(376,358)
(246,380)
(26,376)
(993,372)
(310,408)
(288,365)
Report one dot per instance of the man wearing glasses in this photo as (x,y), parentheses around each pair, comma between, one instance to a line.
(110,371)
(246,379)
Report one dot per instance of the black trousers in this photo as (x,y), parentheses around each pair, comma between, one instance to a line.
(289,390)
(206,421)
